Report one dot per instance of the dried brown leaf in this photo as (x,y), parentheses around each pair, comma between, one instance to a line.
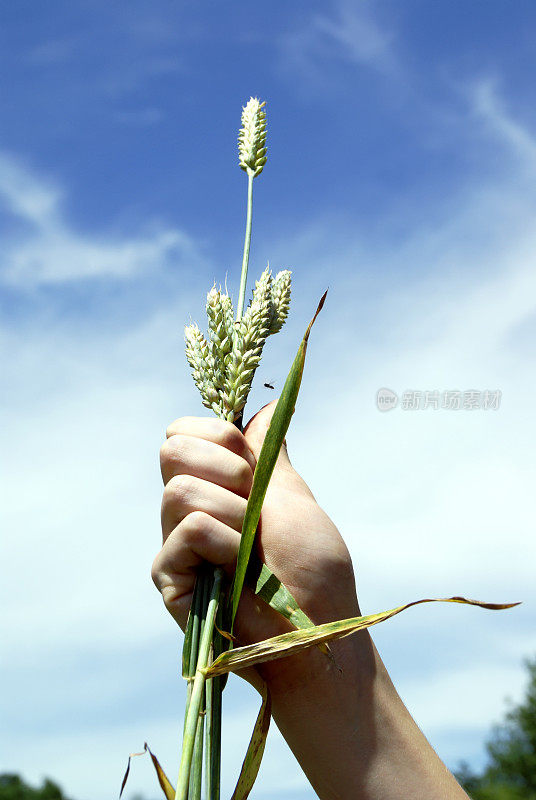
(293,642)
(253,757)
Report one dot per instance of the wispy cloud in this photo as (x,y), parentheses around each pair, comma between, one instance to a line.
(488,106)
(140,117)
(125,76)
(349,34)
(50,250)
(51,52)
(110,69)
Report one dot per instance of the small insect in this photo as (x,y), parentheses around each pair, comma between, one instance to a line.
(269,385)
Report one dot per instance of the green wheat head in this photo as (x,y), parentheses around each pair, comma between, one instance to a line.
(223,367)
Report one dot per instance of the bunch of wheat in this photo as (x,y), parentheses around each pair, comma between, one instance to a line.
(223,366)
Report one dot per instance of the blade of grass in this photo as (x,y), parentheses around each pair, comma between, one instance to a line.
(253,757)
(293,642)
(275,593)
(265,465)
(268,586)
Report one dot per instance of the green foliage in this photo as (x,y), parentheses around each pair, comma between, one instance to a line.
(511,773)
(271,447)
(12,787)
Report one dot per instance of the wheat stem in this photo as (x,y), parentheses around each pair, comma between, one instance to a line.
(196,611)
(190,728)
(247,244)
(196,771)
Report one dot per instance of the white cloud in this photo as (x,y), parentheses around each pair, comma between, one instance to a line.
(50,250)
(141,117)
(67,754)
(438,702)
(52,52)
(129,75)
(355,35)
(488,105)
(431,503)
(349,34)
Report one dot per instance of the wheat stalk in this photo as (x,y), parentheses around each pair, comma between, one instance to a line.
(252,158)
(223,366)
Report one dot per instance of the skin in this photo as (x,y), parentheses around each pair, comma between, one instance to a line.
(345,723)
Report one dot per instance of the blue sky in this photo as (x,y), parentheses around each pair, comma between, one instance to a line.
(401,171)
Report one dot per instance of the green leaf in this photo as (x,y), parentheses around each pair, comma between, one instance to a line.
(275,593)
(290,643)
(274,438)
(253,757)
(269,587)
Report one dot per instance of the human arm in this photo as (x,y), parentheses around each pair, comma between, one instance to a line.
(347,727)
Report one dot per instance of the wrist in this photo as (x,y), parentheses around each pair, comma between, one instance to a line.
(355,720)
(310,672)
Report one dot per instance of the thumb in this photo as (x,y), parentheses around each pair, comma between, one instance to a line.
(256,430)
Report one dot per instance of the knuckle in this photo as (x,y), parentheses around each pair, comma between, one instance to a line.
(184,425)
(230,436)
(156,572)
(170,595)
(176,425)
(166,452)
(195,525)
(180,488)
(243,474)
(172,427)
(172,449)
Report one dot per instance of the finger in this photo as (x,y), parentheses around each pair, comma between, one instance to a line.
(186,493)
(256,430)
(182,454)
(214,430)
(198,538)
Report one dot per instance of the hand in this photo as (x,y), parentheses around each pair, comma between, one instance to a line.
(348,728)
(207,467)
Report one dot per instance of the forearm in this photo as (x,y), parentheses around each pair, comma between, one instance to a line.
(349,729)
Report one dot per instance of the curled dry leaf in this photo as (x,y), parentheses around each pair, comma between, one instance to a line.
(163,780)
(291,643)
(253,757)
